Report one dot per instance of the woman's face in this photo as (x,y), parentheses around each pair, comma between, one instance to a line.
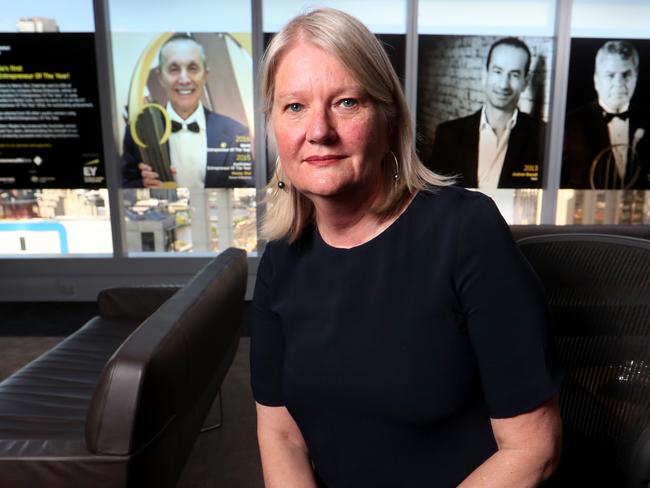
(330,136)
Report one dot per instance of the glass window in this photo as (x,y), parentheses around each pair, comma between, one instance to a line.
(486,121)
(387,19)
(606,161)
(385,16)
(183,77)
(148,241)
(47,16)
(53,197)
(486,17)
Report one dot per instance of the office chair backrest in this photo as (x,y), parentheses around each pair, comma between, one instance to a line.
(598,288)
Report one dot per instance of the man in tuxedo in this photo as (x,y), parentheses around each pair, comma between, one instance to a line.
(606,144)
(498,146)
(206,149)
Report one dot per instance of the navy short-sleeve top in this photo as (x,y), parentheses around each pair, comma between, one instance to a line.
(392,356)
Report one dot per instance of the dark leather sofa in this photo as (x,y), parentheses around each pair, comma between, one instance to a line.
(120,402)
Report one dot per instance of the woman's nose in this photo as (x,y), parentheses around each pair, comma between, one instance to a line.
(320,129)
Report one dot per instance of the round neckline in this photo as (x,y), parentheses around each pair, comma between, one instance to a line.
(377,238)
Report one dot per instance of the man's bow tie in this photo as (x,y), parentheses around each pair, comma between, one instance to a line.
(608,116)
(192,126)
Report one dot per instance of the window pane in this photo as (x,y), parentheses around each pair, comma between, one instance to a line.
(47,16)
(185,220)
(384,16)
(184,93)
(50,132)
(458,94)
(505,17)
(606,164)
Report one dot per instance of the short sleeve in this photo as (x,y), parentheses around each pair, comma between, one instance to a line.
(507,317)
(267,340)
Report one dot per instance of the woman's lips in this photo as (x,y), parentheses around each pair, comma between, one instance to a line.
(324,160)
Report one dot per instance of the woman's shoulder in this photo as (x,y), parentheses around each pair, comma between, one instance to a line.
(281,249)
(275,249)
(453,199)
(455,210)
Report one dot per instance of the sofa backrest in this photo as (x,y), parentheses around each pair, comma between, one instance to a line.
(170,366)
(135,302)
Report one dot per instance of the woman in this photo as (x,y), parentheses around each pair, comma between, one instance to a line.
(399,337)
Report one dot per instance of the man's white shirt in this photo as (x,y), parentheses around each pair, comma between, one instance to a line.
(188,150)
(492,153)
(619,138)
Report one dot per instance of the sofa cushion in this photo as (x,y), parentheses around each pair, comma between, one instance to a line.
(43,406)
(120,402)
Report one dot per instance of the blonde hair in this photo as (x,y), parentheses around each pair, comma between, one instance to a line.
(358,50)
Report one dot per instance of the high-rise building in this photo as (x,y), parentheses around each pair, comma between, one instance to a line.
(37,24)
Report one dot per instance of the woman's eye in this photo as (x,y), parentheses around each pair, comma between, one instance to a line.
(294,107)
(348,102)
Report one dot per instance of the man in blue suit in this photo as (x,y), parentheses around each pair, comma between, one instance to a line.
(206,149)
(498,146)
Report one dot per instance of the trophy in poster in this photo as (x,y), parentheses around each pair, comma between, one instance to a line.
(150,130)
(606,174)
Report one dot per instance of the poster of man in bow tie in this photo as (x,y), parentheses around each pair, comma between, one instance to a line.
(607,138)
(177,134)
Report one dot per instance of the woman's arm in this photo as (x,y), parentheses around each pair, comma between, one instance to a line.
(529,448)
(285,460)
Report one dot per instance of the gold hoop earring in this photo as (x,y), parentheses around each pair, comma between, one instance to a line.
(396,175)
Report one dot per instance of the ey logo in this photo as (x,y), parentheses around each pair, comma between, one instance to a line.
(90,168)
